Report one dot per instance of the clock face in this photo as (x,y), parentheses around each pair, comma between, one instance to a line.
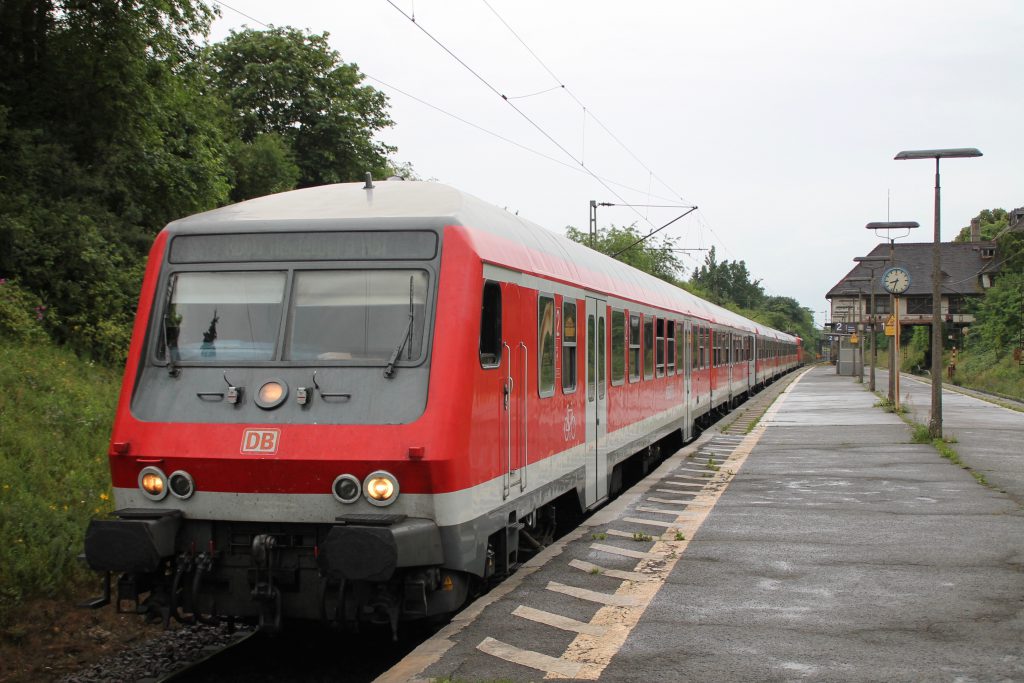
(896,280)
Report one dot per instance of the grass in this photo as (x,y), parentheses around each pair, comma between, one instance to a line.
(55,416)
(680,536)
(641,536)
(920,434)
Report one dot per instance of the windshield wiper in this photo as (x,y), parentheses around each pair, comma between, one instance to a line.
(389,371)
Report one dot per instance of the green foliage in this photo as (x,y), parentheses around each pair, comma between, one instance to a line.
(261,167)
(21,313)
(653,255)
(992,223)
(989,371)
(291,83)
(728,282)
(55,416)
(914,350)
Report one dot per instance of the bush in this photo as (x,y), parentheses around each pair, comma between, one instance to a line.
(56,412)
(21,313)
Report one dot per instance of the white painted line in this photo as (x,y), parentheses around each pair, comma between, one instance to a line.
(685,483)
(558,621)
(676,491)
(652,522)
(610,599)
(635,554)
(622,534)
(670,501)
(614,573)
(662,511)
(534,660)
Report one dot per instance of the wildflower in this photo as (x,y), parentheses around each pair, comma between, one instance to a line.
(104,496)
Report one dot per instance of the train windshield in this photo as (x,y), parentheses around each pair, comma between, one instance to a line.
(357,315)
(361,315)
(224,316)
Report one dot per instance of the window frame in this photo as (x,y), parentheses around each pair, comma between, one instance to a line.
(570,348)
(660,349)
(492,285)
(621,339)
(648,345)
(542,390)
(635,356)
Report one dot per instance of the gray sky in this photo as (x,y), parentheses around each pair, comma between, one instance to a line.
(779,119)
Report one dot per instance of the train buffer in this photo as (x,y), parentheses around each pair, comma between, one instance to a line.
(822,543)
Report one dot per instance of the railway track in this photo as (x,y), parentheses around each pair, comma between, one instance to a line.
(200,654)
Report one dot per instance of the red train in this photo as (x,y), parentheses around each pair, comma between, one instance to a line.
(355,403)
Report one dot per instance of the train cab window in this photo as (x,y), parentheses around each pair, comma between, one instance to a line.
(670,347)
(213,317)
(357,315)
(659,351)
(490,326)
(569,365)
(634,347)
(546,345)
(648,348)
(618,347)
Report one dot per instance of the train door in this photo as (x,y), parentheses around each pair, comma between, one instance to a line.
(684,361)
(749,352)
(597,407)
(517,322)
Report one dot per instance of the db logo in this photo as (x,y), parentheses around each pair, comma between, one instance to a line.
(260,441)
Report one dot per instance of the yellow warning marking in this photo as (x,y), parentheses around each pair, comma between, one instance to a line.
(595,652)
(534,660)
(615,599)
(613,573)
(635,554)
(558,621)
(447,583)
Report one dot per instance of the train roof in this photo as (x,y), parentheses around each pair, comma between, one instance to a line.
(499,237)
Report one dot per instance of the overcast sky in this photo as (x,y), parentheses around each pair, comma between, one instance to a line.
(778,119)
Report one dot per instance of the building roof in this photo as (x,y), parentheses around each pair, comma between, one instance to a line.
(962,268)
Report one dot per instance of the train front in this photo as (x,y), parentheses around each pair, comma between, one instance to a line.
(268,457)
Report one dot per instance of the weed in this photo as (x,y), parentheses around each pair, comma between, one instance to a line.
(641,536)
(680,536)
(599,537)
(595,571)
(711,465)
(920,434)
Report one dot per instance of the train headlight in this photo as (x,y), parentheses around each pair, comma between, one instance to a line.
(271,394)
(153,483)
(181,484)
(381,488)
(346,488)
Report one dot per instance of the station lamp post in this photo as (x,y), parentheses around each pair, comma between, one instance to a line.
(889,227)
(872,264)
(935,425)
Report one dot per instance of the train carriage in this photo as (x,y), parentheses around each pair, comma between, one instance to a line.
(357,402)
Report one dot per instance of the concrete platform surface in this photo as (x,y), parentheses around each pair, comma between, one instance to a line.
(821,545)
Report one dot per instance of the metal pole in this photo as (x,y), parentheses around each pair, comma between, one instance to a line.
(593,223)
(859,351)
(892,344)
(874,342)
(935,427)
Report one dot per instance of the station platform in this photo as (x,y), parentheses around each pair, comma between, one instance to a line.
(814,541)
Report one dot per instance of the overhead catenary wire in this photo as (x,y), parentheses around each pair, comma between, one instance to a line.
(519,111)
(463,120)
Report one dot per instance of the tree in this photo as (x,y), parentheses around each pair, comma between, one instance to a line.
(653,256)
(291,84)
(992,222)
(728,281)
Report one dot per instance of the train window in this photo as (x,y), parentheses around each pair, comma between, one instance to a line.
(601,360)
(569,366)
(659,350)
(546,345)
(490,326)
(357,315)
(591,360)
(618,347)
(223,316)
(701,344)
(634,347)
(670,347)
(648,348)
(694,348)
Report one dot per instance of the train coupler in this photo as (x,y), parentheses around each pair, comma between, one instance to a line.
(264,591)
(103,599)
